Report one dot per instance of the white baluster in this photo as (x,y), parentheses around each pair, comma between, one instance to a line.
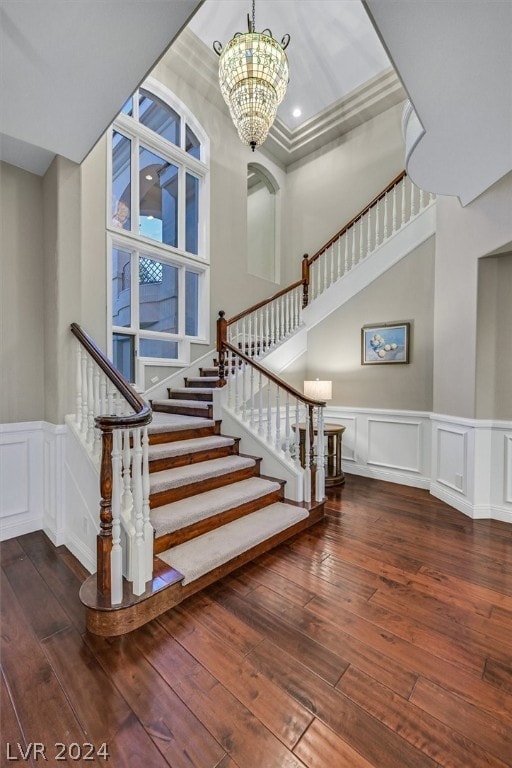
(261,431)
(269,411)
(282,317)
(346,251)
(103,394)
(244,393)
(368,232)
(320,448)
(323,259)
(413,212)
(90,404)
(288,314)
(360,238)
(252,397)
(394,210)
(139,571)
(78,417)
(403,199)
(267,326)
(244,335)
(97,432)
(377,224)
(297,435)
(272,323)
(262,330)
(278,421)
(422,200)
(237,394)
(332,264)
(127,500)
(431,198)
(84,420)
(386,217)
(307,457)
(287,435)
(147,528)
(353,260)
(251,351)
(339,264)
(116,555)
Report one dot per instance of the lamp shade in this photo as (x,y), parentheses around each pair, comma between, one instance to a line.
(318,390)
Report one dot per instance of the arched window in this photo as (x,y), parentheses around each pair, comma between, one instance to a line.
(158,232)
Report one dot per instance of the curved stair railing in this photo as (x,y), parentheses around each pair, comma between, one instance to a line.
(275,411)
(266,324)
(111,420)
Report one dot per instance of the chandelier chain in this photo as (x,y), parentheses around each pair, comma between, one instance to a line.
(254,15)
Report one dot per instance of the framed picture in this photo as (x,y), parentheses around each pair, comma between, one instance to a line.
(385,343)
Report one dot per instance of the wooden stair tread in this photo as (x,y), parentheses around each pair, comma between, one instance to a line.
(174,422)
(204,553)
(201,404)
(184,512)
(191,445)
(196,473)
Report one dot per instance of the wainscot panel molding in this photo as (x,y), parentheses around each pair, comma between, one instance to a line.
(386,445)
(466,463)
(31,484)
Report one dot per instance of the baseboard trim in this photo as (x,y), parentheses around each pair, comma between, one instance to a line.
(415,481)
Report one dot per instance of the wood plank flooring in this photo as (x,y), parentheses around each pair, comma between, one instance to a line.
(379,638)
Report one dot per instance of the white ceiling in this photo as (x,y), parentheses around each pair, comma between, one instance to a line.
(455,61)
(67,67)
(333,48)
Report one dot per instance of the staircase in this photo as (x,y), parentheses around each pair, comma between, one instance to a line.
(211,508)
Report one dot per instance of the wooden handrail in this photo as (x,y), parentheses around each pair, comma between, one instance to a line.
(143,413)
(308,260)
(275,379)
(106,424)
(356,218)
(262,303)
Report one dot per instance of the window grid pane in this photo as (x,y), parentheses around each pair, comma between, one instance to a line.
(191,303)
(121,181)
(158,300)
(121,288)
(192,214)
(158,116)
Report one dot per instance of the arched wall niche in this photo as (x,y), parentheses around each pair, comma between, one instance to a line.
(263,223)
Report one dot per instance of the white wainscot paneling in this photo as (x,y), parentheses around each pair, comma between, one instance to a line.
(21,474)
(508,469)
(451,464)
(395,444)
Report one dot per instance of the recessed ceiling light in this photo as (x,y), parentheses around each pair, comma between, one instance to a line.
(149,177)
(297,112)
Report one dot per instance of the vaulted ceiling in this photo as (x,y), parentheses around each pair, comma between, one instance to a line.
(66,68)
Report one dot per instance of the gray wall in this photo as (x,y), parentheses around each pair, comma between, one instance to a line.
(494,338)
(404,293)
(329,187)
(22,383)
(463,235)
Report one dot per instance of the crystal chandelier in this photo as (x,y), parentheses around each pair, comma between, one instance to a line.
(253,77)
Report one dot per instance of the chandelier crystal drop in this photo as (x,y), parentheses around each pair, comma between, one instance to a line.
(253,77)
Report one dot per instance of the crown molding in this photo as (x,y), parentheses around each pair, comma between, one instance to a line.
(287,145)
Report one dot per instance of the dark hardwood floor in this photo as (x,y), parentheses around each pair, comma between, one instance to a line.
(381,637)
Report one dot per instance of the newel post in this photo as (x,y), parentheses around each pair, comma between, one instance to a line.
(222,337)
(104,538)
(305,280)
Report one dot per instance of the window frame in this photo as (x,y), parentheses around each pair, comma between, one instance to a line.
(142,246)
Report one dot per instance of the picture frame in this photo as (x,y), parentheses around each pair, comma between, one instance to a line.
(385,343)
